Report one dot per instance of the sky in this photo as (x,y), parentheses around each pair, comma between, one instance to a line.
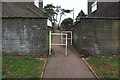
(78,5)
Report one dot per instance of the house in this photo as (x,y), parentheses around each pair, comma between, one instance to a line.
(97,34)
(24,29)
(22,9)
(103,8)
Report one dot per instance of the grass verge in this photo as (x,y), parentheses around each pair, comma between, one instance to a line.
(48,38)
(105,67)
(21,67)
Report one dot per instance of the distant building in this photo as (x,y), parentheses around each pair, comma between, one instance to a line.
(103,8)
(97,34)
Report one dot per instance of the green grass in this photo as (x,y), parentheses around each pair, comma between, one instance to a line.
(105,67)
(21,67)
(48,38)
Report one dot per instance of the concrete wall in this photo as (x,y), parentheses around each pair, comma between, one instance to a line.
(119,10)
(25,36)
(96,36)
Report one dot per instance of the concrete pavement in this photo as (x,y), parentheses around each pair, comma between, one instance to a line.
(71,66)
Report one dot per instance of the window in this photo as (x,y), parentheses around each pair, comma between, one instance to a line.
(94,6)
(36,3)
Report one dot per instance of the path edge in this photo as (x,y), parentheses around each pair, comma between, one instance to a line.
(44,66)
(90,68)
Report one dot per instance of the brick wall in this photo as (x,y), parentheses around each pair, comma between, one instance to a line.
(97,36)
(24,36)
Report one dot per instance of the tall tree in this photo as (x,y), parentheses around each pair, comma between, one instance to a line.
(49,11)
(58,9)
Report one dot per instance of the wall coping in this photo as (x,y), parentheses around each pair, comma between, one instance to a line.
(103,18)
(109,18)
(24,17)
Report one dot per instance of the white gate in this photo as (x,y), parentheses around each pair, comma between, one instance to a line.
(69,38)
(63,33)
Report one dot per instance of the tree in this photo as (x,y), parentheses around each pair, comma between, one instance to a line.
(63,11)
(80,15)
(58,9)
(67,23)
(49,11)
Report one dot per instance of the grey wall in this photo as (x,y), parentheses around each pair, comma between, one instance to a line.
(25,36)
(97,36)
(119,10)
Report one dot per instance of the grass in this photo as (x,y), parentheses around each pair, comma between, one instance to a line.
(105,67)
(48,38)
(21,67)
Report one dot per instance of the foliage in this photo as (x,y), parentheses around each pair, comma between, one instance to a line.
(67,22)
(21,67)
(63,11)
(105,67)
(81,14)
(51,11)
(57,9)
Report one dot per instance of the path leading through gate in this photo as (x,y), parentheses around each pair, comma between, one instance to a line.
(72,66)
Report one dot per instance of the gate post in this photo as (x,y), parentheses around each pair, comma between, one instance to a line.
(66,46)
(61,39)
(71,37)
(50,42)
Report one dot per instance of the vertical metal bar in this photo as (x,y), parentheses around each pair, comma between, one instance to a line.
(66,46)
(71,37)
(50,42)
(61,38)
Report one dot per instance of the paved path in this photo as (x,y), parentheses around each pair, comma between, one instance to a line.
(71,66)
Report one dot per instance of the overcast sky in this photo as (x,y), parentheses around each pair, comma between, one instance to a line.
(78,5)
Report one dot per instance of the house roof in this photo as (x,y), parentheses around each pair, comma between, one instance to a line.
(21,9)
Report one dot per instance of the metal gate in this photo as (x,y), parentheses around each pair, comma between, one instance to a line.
(63,33)
(68,38)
